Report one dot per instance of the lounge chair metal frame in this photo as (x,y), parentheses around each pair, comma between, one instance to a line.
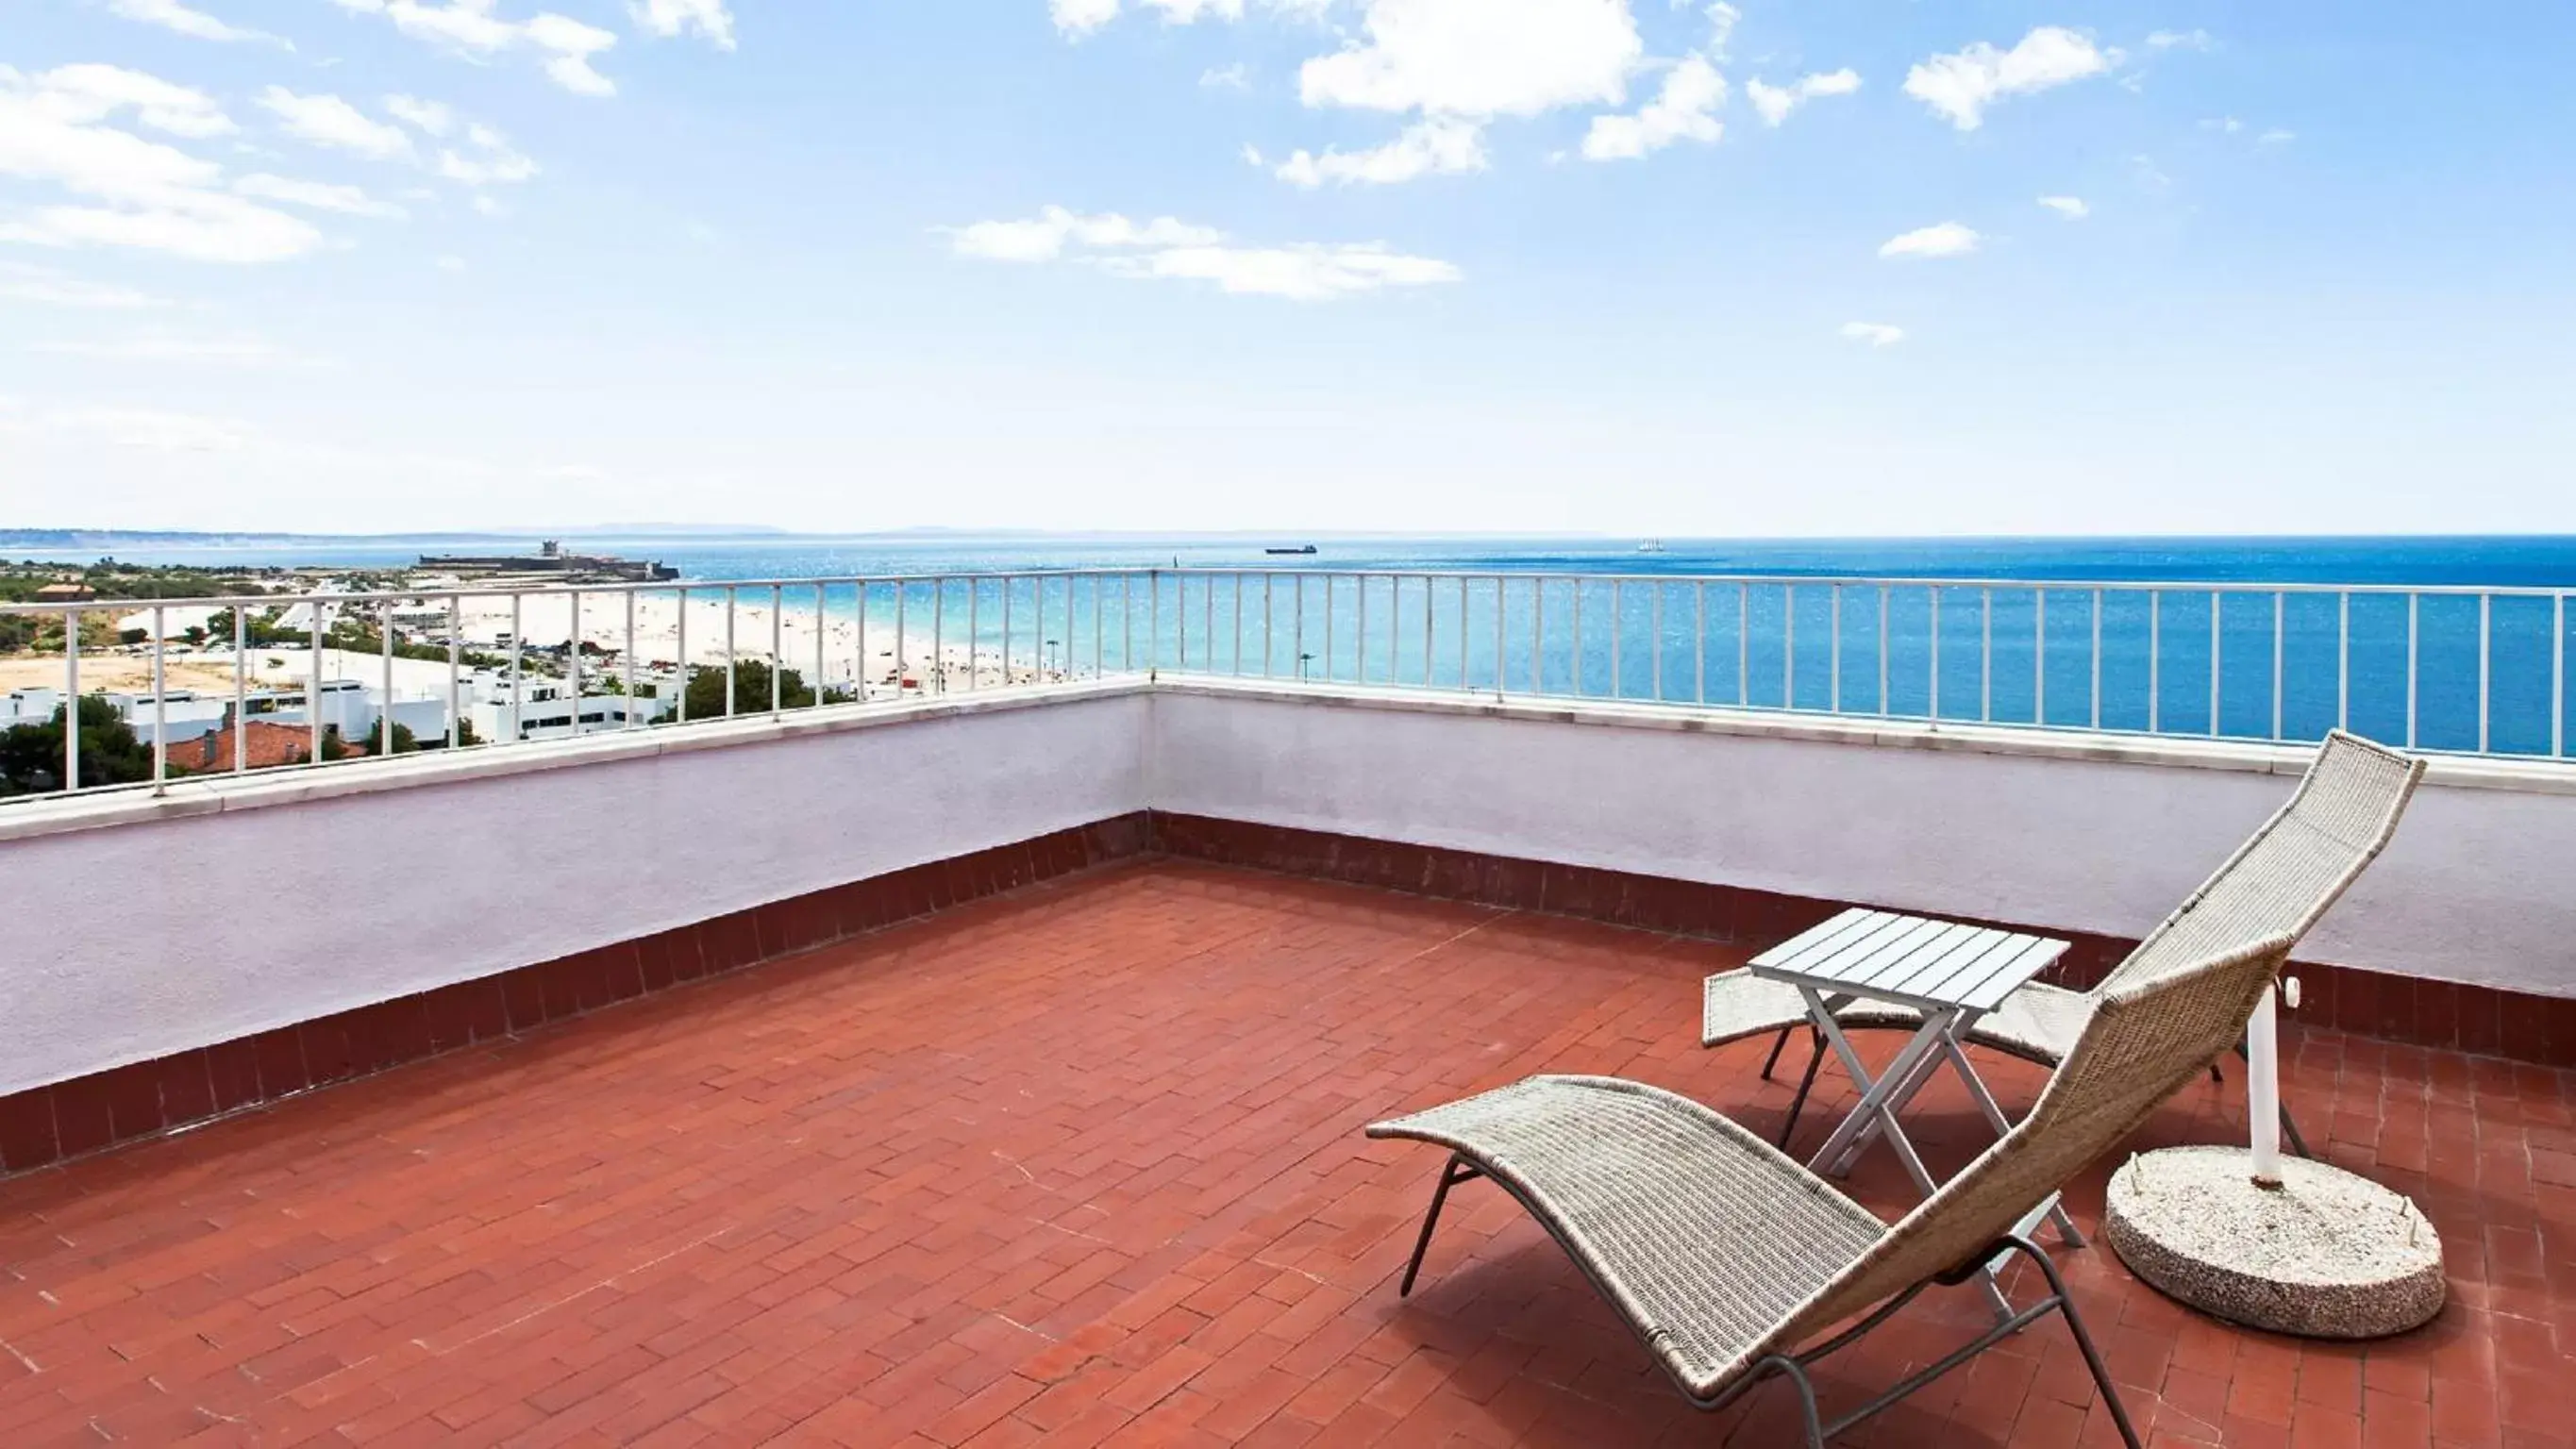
(1794,1366)
(2353,791)
(1722,1254)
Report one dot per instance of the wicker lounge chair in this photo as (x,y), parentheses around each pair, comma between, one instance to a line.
(2283,879)
(1725,1256)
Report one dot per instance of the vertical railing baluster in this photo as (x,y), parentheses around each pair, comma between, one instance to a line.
(1500,640)
(628,668)
(1006,623)
(1884,708)
(975,634)
(1934,593)
(1427,614)
(572,668)
(1834,653)
(2413,600)
(1788,646)
(2217,606)
(2558,676)
(1986,657)
(2343,660)
(71,698)
(733,608)
(313,692)
(2039,658)
(1269,607)
(680,645)
(241,685)
(1655,622)
(777,657)
(519,673)
(1699,642)
(1297,624)
(1238,625)
(385,715)
(1153,627)
(2097,659)
(1618,626)
(1359,629)
(2155,661)
(160,704)
(2485,649)
(822,636)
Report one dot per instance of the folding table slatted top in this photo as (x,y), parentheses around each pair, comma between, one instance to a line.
(1930,965)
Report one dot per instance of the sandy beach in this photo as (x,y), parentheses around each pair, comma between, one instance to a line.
(825,646)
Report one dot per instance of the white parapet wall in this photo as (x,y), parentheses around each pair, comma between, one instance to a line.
(2076,832)
(186,924)
(139,927)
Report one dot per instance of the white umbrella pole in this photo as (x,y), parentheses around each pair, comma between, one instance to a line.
(2263,1090)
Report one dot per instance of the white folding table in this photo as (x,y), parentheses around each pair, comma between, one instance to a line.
(1950,973)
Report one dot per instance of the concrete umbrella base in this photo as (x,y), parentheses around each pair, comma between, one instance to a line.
(2325,1255)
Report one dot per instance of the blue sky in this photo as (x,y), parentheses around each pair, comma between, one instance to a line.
(1542,265)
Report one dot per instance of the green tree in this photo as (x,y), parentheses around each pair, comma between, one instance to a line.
(17,632)
(706,695)
(31,755)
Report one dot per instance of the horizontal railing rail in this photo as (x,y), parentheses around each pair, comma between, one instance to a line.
(2458,670)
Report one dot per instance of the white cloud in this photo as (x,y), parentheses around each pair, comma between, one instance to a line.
(2277,136)
(1081,17)
(2070,207)
(1231,78)
(172,15)
(1948,239)
(2181,40)
(1044,237)
(1721,27)
(235,352)
(486,206)
(1175,250)
(432,117)
(135,193)
(1305,272)
(2227,124)
(1480,57)
(450,264)
(473,28)
(573,44)
(1774,103)
(1959,87)
(1876,334)
(154,430)
(333,122)
(318,196)
(668,18)
(21,282)
(82,94)
(1439,145)
(1684,110)
(487,160)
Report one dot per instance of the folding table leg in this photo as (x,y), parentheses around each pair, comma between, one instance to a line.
(2067,1232)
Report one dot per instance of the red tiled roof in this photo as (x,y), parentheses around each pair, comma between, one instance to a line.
(1083,1165)
(266,745)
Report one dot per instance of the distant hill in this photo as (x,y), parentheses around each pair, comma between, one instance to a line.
(112,538)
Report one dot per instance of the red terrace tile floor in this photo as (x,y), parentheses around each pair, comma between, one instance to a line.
(1082,1166)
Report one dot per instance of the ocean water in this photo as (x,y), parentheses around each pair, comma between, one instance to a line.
(2024,631)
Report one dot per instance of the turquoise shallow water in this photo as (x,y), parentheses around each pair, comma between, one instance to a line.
(2385,662)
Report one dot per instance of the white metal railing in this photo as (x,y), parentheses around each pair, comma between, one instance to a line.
(2456,670)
